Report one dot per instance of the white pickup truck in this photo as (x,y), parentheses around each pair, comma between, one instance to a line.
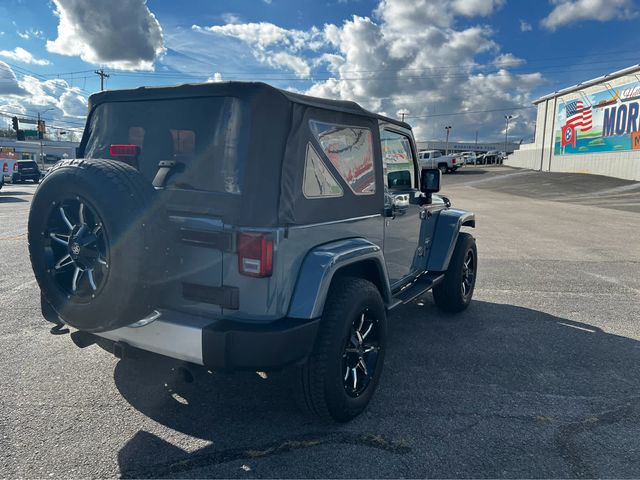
(435,159)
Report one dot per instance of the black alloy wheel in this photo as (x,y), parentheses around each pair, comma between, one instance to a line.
(455,291)
(77,249)
(360,357)
(468,273)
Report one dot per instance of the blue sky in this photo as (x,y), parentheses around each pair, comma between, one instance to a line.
(434,60)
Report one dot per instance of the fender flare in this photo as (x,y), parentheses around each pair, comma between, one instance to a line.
(322,263)
(447,228)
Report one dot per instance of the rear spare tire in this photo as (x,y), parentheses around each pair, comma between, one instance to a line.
(95,241)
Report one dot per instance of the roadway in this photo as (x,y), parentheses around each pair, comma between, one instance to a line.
(538,378)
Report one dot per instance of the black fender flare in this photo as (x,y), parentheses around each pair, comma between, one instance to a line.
(320,266)
(450,221)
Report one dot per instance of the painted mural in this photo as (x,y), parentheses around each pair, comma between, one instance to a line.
(606,121)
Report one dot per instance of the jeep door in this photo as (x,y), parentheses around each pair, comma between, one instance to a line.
(402,211)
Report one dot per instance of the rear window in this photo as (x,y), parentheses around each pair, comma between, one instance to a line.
(27,164)
(201,134)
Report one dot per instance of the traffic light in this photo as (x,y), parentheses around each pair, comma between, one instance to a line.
(14,122)
(41,129)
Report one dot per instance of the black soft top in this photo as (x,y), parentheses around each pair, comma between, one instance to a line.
(233,89)
(274,141)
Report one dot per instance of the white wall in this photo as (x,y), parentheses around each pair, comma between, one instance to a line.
(527,157)
(539,155)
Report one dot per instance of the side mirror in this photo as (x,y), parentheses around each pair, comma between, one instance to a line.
(430,180)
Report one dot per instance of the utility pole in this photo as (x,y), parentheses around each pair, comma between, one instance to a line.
(506,132)
(101,73)
(476,139)
(447,128)
(41,147)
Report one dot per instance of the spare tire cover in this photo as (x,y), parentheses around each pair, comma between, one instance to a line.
(97,243)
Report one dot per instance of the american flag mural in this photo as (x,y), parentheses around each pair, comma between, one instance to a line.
(578,116)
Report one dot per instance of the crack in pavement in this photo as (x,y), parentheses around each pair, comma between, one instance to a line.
(571,453)
(204,459)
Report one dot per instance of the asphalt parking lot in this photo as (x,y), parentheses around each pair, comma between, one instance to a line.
(540,377)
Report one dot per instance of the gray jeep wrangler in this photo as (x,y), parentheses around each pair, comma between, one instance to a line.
(241,227)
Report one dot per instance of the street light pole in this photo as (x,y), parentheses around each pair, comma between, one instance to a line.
(447,128)
(506,132)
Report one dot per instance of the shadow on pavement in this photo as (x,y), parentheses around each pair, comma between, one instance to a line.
(8,198)
(497,391)
(469,170)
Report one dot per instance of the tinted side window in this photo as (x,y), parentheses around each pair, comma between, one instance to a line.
(398,160)
(350,150)
(318,180)
(436,154)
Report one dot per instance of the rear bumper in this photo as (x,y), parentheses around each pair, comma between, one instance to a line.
(222,344)
(20,177)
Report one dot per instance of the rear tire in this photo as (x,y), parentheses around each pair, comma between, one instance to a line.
(327,386)
(443,168)
(454,293)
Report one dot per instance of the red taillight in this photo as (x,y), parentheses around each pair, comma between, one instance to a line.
(15,167)
(5,167)
(453,161)
(123,150)
(255,254)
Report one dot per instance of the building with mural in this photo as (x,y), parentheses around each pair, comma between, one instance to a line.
(592,127)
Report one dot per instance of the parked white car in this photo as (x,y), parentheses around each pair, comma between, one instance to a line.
(470,158)
(435,159)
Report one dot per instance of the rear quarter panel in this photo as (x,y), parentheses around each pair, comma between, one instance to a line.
(268,298)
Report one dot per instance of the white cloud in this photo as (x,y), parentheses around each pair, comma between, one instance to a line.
(525,26)
(472,8)
(123,34)
(230,18)
(21,55)
(62,105)
(411,56)
(412,16)
(293,63)
(73,104)
(30,33)
(215,78)
(508,60)
(263,34)
(571,11)
(8,82)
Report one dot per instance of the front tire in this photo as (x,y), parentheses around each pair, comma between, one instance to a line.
(340,377)
(454,293)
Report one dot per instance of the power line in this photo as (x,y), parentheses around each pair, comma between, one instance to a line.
(23,71)
(470,112)
(582,56)
(274,76)
(78,126)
